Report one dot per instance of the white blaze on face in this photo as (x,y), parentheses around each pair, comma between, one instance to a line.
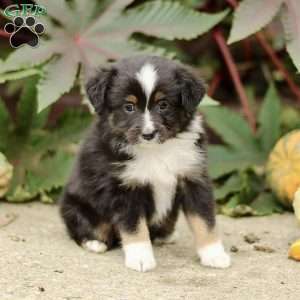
(147,77)
(148,123)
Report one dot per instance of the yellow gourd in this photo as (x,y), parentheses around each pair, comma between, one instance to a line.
(294,251)
(6,172)
(283,167)
(296,204)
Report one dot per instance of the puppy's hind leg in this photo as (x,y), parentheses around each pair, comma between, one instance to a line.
(81,222)
(198,206)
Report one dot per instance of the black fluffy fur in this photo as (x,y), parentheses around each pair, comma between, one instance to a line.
(95,194)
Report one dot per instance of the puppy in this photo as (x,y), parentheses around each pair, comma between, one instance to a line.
(143,160)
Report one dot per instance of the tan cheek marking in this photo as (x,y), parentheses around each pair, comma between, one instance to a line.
(159,96)
(202,234)
(132,99)
(140,235)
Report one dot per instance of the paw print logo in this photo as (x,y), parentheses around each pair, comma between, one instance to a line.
(21,27)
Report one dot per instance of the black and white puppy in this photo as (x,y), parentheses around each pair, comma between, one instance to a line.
(143,160)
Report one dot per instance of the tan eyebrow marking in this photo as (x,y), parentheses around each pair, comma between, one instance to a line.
(132,99)
(158,96)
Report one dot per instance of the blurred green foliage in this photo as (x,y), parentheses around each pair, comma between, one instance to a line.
(81,35)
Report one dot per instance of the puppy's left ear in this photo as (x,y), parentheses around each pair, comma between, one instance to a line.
(192,89)
(97,88)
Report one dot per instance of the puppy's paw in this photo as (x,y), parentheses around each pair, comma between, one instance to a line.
(171,239)
(139,256)
(214,256)
(94,246)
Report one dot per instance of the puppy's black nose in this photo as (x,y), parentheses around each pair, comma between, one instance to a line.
(149,136)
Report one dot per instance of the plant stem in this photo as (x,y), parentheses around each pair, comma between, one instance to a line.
(220,40)
(278,63)
(273,56)
(214,83)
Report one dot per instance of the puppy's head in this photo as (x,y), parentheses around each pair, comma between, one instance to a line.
(145,99)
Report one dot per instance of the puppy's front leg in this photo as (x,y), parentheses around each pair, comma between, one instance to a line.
(138,248)
(199,210)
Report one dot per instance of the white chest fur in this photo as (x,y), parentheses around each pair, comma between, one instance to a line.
(161,164)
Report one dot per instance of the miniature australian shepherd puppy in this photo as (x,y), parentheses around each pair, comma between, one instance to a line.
(143,161)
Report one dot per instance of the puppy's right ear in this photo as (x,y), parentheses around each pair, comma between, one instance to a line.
(98,86)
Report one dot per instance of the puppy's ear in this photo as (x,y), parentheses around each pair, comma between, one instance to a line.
(98,86)
(192,89)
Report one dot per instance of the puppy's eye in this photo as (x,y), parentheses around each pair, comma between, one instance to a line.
(163,105)
(129,107)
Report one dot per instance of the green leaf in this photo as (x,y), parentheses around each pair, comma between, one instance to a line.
(231,127)
(60,11)
(269,119)
(70,128)
(118,47)
(5,126)
(85,11)
(231,185)
(46,157)
(18,74)
(222,161)
(82,82)
(74,38)
(289,118)
(166,19)
(251,16)
(72,125)
(233,208)
(51,173)
(137,47)
(44,178)
(28,57)
(266,204)
(27,107)
(19,194)
(40,120)
(290,17)
(58,79)
(251,186)
(112,12)
(208,101)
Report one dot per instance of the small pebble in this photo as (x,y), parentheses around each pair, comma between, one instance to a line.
(16,238)
(265,249)
(41,289)
(251,238)
(234,249)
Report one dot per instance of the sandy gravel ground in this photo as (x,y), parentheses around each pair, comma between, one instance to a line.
(38,261)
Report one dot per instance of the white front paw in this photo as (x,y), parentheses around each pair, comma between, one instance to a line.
(214,255)
(139,256)
(94,246)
